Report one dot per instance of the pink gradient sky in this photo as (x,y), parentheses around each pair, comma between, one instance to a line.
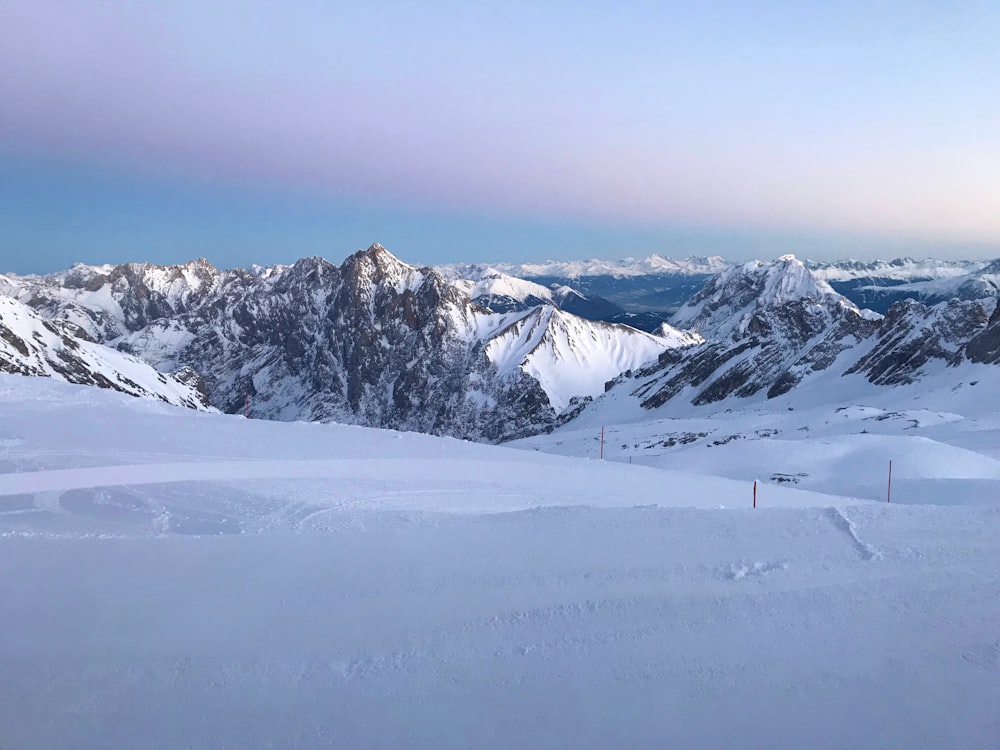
(854,119)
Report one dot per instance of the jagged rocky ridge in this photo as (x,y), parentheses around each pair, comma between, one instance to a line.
(31,345)
(373,341)
(769,326)
(984,346)
(377,342)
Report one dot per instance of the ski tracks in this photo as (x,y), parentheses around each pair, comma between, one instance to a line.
(843,523)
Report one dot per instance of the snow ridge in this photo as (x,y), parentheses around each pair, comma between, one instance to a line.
(33,346)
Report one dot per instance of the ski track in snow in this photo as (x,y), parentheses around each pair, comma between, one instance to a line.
(840,521)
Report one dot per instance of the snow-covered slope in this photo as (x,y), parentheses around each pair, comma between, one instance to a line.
(33,346)
(501,292)
(725,306)
(569,356)
(833,434)
(180,579)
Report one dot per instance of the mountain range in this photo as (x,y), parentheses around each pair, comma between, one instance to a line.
(373,341)
(478,352)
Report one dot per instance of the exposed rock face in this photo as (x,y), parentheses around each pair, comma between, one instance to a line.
(31,345)
(912,334)
(373,341)
(731,303)
(772,325)
(984,347)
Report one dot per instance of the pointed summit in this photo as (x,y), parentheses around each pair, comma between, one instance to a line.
(724,306)
(379,261)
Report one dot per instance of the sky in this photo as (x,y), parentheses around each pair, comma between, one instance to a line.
(261,132)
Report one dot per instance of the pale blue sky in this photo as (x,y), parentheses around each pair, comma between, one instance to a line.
(261,132)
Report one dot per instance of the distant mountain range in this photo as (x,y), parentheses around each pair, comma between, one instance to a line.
(478,351)
(648,291)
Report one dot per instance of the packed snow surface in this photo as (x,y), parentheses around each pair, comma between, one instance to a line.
(175,579)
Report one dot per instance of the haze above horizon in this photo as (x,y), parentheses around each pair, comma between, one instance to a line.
(259,133)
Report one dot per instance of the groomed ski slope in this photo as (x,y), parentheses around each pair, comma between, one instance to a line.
(174,579)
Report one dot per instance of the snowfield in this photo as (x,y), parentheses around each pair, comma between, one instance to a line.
(170,579)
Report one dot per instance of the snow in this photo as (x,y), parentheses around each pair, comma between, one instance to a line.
(570,356)
(901,269)
(724,307)
(37,348)
(174,578)
(624,268)
(503,285)
(677,337)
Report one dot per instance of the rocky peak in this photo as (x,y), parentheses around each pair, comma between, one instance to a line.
(729,305)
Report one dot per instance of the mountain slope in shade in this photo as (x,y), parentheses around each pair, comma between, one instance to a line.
(31,345)
(984,347)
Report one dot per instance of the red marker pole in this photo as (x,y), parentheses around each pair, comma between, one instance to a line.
(888,492)
(602,443)
(755,493)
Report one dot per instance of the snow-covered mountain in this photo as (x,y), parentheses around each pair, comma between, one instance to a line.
(984,346)
(570,356)
(766,325)
(900,269)
(574,269)
(726,306)
(769,327)
(378,342)
(500,292)
(638,292)
(31,345)
(878,284)
(374,341)
(913,335)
